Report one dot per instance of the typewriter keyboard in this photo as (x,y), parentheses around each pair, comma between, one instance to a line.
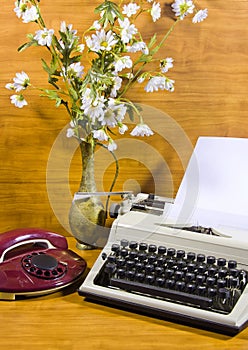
(207,282)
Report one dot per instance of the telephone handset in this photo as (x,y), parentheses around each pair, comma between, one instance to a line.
(35,262)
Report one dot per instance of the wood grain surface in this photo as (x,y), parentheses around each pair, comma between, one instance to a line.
(65,321)
(38,179)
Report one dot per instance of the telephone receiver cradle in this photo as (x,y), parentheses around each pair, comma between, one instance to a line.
(35,262)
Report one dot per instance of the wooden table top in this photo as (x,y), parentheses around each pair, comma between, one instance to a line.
(64,320)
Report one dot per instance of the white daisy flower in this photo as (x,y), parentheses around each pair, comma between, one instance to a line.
(182,8)
(20,7)
(80,48)
(169,85)
(44,37)
(30,15)
(96,25)
(122,63)
(130,9)
(127,30)
(200,16)
(64,28)
(76,70)
(70,132)
(166,64)
(155,83)
(108,118)
(155,11)
(21,81)
(10,86)
(95,110)
(117,81)
(100,135)
(138,46)
(122,129)
(112,146)
(101,41)
(18,101)
(141,79)
(142,130)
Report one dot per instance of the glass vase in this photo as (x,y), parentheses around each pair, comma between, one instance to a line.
(87,215)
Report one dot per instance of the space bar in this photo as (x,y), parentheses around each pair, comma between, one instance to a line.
(173,295)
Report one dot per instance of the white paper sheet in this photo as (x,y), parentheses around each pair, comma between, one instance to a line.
(214,189)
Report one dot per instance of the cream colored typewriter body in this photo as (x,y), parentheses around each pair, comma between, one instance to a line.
(186,259)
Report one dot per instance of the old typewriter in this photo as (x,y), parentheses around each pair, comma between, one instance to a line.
(184,260)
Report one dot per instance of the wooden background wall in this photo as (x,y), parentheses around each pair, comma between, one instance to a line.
(38,178)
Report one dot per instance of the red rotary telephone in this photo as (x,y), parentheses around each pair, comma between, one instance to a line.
(35,262)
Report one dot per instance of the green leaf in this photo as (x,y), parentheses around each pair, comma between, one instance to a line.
(73,94)
(45,66)
(109,11)
(26,46)
(152,41)
(52,95)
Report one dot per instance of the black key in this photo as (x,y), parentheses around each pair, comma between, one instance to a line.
(201,290)
(234,272)
(178,275)
(133,245)
(159,270)
(190,287)
(120,262)
(132,286)
(149,279)
(189,276)
(124,243)
(211,260)
(152,248)
(169,273)
(111,259)
(142,246)
(191,256)
(140,276)
(121,273)
(171,251)
(221,283)
(200,279)
(110,268)
(201,268)
(232,264)
(152,258)
(161,249)
(179,285)
(222,272)
(191,267)
(160,281)
(124,252)
(210,281)
(130,264)
(221,262)
(149,268)
(169,283)
(212,270)
(181,264)
(170,262)
(130,274)
(180,253)
(161,261)
(142,256)
(115,248)
(140,266)
(200,257)
(211,292)
(133,254)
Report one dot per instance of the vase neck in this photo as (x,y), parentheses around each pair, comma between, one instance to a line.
(87,183)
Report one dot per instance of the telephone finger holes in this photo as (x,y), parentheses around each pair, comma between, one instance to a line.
(43,266)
